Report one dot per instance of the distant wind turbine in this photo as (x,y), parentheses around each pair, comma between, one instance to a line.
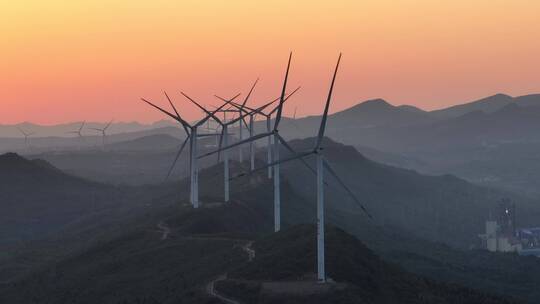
(224,141)
(252,115)
(78,132)
(277,140)
(241,118)
(192,135)
(26,137)
(103,133)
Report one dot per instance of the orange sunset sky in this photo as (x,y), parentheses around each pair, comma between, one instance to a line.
(65,61)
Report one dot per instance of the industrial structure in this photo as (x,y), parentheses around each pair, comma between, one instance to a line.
(502,234)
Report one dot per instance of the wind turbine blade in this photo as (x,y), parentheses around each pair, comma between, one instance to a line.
(281,161)
(82,126)
(242,116)
(235,105)
(340,181)
(276,108)
(179,118)
(245,123)
(247,109)
(238,143)
(108,125)
(290,149)
(212,114)
(162,110)
(282,98)
(200,106)
(239,106)
(22,131)
(327,106)
(96,129)
(176,158)
(171,103)
(249,94)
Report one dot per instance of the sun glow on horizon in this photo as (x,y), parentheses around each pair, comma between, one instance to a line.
(73,60)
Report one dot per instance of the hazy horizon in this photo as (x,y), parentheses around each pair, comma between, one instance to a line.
(288,113)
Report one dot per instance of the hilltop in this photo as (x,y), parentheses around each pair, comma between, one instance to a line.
(143,263)
(285,264)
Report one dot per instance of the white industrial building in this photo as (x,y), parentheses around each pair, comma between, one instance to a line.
(496,240)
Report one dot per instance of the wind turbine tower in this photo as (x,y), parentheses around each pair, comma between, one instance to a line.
(192,136)
(277,140)
(224,139)
(322,164)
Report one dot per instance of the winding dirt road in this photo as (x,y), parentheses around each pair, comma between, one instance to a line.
(210,287)
(250,251)
(164,229)
(211,290)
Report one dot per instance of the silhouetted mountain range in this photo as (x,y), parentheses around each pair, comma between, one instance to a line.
(378,124)
(488,105)
(432,207)
(453,140)
(37,199)
(90,141)
(442,141)
(439,208)
(464,140)
(367,114)
(170,253)
(377,113)
(145,143)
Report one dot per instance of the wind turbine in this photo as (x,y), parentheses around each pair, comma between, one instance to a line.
(224,140)
(224,136)
(250,128)
(269,144)
(322,164)
(78,132)
(26,137)
(103,133)
(241,110)
(277,139)
(192,135)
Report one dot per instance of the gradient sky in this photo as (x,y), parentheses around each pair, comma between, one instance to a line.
(72,60)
